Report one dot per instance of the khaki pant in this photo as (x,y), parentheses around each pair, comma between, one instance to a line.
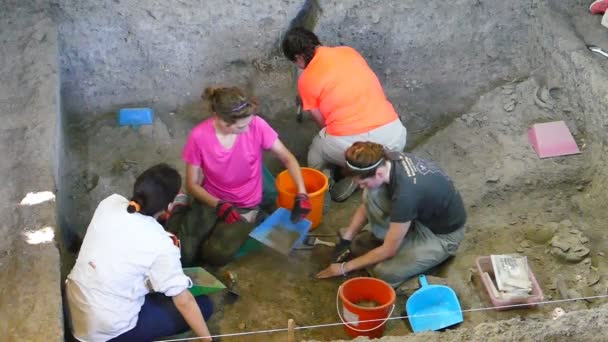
(420,250)
(327,150)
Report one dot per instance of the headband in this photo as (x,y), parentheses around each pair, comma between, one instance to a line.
(367,168)
(136,205)
(240,107)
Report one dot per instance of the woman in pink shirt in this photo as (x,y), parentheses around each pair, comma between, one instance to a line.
(223,156)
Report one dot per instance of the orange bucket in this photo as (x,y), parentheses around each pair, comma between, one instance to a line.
(357,291)
(316,186)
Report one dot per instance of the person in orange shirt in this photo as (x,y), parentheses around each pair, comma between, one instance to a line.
(346,100)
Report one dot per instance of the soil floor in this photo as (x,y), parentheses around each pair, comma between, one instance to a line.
(516,203)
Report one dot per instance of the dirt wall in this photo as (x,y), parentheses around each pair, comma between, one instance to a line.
(30,296)
(433,58)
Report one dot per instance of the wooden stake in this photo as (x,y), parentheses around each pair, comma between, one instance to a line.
(291,332)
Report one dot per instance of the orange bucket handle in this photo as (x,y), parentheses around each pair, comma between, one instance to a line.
(350,326)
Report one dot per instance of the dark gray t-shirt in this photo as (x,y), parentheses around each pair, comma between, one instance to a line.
(421,191)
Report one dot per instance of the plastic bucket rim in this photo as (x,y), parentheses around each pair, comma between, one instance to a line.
(313,194)
(391,301)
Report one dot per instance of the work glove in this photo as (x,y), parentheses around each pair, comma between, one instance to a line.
(227,212)
(301,207)
(342,251)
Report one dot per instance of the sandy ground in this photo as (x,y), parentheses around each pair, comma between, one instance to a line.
(516,203)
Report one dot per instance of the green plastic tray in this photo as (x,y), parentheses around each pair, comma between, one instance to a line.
(203,282)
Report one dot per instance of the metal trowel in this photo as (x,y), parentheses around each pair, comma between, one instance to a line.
(231,280)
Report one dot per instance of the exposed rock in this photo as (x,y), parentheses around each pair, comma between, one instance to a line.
(568,247)
(509,106)
(492,179)
(593,277)
(540,234)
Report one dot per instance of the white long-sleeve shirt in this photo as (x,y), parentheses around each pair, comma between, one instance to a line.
(123,257)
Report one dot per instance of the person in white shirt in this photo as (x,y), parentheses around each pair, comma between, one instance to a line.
(127,283)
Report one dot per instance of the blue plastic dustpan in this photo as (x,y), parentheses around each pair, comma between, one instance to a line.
(433,307)
(279,233)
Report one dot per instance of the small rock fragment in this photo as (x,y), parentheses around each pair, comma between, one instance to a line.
(593,277)
(557,313)
(509,106)
(508,89)
(492,179)
(555,242)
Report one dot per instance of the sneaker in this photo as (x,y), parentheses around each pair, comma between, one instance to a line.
(598,7)
(180,199)
(342,190)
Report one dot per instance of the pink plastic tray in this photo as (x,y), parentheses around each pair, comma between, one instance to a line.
(484,264)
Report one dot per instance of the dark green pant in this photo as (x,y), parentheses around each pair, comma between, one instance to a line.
(206,239)
(203,237)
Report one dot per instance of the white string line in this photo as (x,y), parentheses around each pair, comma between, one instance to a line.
(388,319)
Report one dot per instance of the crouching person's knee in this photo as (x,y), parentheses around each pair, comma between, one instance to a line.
(387,273)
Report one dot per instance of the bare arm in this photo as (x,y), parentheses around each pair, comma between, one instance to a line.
(194,177)
(317,117)
(392,241)
(188,308)
(356,223)
(291,164)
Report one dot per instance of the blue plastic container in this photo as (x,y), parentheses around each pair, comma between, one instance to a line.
(135,116)
(279,233)
(433,307)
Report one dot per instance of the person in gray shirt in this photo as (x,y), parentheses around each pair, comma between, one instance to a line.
(415,214)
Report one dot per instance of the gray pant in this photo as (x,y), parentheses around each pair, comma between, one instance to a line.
(327,149)
(420,250)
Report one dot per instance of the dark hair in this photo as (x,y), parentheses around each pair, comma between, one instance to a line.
(230,103)
(362,155)
(300,41)
(154,189)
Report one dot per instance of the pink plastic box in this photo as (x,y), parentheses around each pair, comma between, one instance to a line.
(484,264)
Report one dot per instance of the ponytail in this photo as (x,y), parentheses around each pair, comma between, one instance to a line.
(154,189)
(133,207)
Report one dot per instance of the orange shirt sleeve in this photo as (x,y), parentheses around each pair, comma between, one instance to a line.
(308,92)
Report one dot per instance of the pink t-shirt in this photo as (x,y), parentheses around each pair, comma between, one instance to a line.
(235,174)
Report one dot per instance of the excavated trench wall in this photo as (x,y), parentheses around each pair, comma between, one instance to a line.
(433,58)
